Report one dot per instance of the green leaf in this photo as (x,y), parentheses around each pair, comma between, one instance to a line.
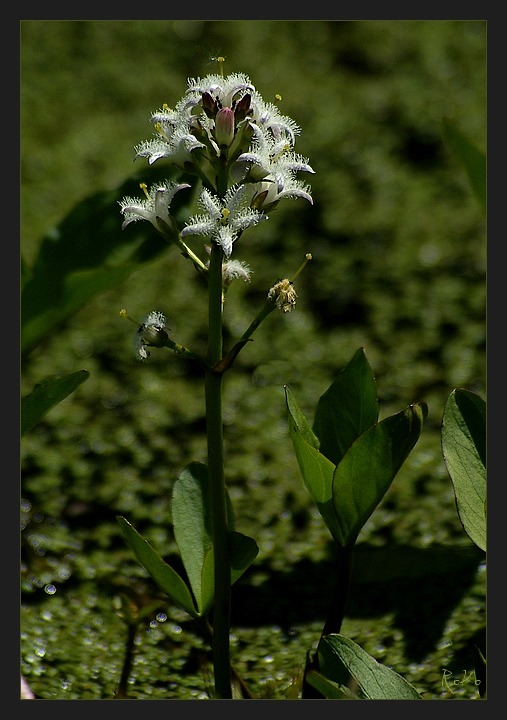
(316,470)
(349,666)
(163,574)
(299,421)
(192,528)
(192,531)
(464,450)
(329,689)
(471,157)
(370,465)
(46,395)
(86,254)
(347,408)
(244,550)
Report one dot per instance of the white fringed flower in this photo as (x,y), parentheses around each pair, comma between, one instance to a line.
(151,333)
(223,220)
(155,205)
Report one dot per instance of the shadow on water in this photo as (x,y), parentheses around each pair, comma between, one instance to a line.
(420,588)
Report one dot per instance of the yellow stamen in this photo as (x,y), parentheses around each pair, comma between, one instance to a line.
(278,97)
(279,154)
(220,61)
(225,215)
(144,188)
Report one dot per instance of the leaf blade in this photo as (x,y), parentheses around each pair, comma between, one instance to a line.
(463,437)
(347,408)
(46,395)
(163,574)
(370,465)
(344,662)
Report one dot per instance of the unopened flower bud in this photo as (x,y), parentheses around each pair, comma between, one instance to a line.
(224,127)
(243,107)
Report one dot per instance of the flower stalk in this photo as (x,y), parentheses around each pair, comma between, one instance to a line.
(240,149)
(220,535)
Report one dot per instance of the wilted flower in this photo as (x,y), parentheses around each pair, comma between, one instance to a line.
(284,295)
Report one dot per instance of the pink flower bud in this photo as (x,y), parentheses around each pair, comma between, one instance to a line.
(224,127)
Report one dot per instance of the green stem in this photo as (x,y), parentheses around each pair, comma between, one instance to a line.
(335,616)
(182,350)
(341,592)
(122,691)
(266,310)
(220,535)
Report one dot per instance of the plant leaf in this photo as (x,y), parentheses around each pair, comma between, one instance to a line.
(244,550)
(328,688)
(345,663)
(192,527)
(347,408)
(464,450)
(370,465)
(299,421)
(192,531)
(46,395)
(316,470)
(472,159)
(163,574)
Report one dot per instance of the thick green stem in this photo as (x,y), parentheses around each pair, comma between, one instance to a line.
(335,616)
(220,535)
(341,591)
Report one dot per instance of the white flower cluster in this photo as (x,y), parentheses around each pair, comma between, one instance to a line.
(222,122)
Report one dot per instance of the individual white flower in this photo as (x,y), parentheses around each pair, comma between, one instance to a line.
(271,155)
(223,220)
(155,206)
(176,146)
(151,333)
(268,117)
(265,195)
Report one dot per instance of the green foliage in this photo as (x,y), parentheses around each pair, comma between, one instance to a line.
(46,395)
(192,531)
(163,574)
(345,663)
(347,408)
(472,159)
(369,453)
(464,451)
